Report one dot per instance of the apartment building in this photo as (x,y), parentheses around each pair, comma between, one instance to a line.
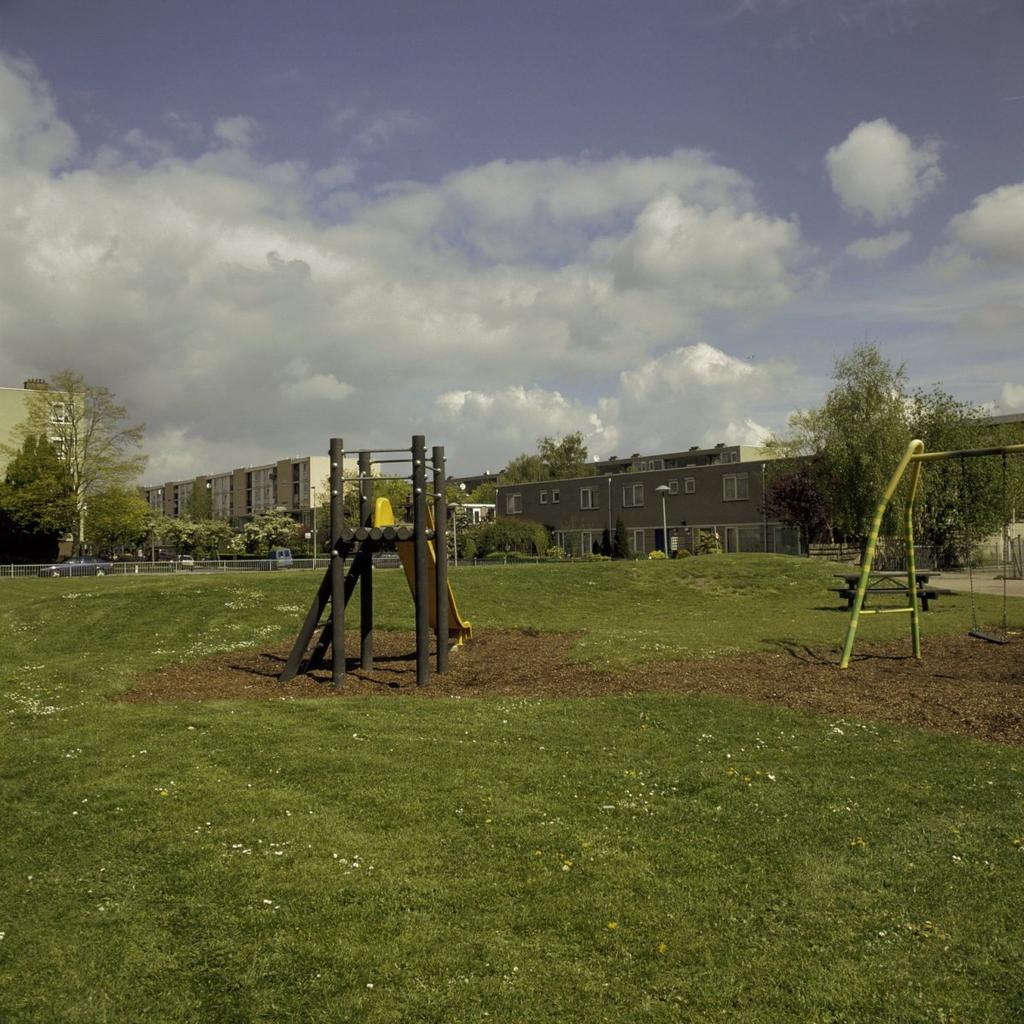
(470,483)
(716,491)
(720,454)
(294,485)
(14,407)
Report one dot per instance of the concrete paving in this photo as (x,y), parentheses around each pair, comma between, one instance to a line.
(986,581)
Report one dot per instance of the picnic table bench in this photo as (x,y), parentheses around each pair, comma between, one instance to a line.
(888,584)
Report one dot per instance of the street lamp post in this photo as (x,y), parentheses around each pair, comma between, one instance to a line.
(663,490)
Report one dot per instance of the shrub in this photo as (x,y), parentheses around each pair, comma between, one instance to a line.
(621,544)
(657,554)
(508,535)
(710,544)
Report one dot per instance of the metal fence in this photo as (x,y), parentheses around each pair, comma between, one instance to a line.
(203,566)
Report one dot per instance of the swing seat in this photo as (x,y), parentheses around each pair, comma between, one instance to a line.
(980,634)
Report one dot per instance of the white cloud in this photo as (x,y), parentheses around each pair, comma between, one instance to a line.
(695,394)
(184,125)
(878,248)
(369,132)
(552,209)
(32,137)
(725,259)
(994,225)
(699,393)
(304,385)
(1011,399)
(387,126)
(879,171)
(212,295)
(238,131)
(520,415)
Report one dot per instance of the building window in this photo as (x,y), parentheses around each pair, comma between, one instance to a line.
(556,496)
(221,495)
(673,487)
(689,485)
(259,486)
(300,485)
(736,487)
(514,505)
(590,542)
(588,497)
(730,456)
(59,413)
(636,541)
(632,495)
(543,497)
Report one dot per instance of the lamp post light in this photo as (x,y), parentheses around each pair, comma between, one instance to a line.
(663,489)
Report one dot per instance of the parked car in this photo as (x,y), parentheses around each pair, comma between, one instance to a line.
(280,558)
(78,565)
(185,562)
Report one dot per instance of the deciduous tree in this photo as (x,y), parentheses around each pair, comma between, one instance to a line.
(88,429)
(555,459)
(564,457)
(35,503)
(854,441)
(36,492)
(119,518)
(268,530)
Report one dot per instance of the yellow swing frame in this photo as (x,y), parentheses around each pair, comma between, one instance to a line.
(914,456)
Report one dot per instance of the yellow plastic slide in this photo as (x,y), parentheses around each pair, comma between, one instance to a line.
(459,629)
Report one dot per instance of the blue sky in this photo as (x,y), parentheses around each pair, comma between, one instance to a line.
(659,223)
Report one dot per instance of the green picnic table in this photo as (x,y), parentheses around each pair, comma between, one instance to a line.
(888,584)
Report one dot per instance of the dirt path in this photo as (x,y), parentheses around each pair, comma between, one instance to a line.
(962,686)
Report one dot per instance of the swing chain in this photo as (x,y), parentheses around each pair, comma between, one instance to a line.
(967,539)
(1005,539)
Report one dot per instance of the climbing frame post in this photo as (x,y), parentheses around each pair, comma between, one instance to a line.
(420,571)
(440,561)
(366,579)
(337,459)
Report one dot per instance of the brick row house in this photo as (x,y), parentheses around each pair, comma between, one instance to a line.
(708,491)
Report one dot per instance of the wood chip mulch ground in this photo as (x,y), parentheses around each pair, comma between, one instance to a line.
(963,685)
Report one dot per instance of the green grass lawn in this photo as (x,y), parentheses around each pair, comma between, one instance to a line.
(644,859)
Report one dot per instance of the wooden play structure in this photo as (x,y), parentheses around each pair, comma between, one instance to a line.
(913,459)
(421,547)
